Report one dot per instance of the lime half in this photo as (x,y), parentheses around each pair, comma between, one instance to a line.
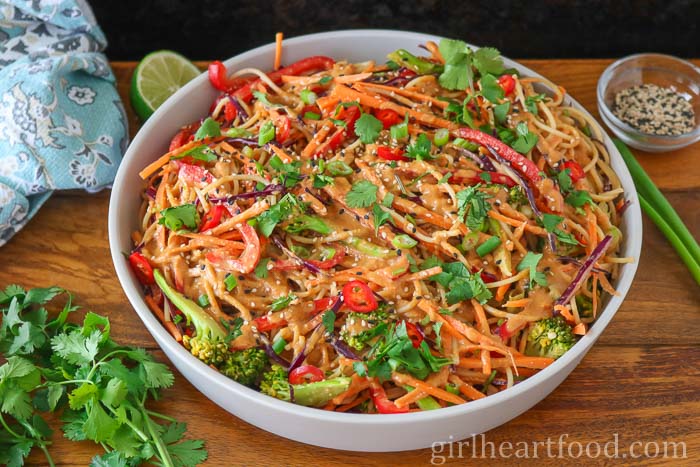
(156,78)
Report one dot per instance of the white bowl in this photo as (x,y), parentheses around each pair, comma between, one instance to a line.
(356,432)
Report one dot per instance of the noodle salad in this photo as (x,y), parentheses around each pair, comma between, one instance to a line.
(381,237)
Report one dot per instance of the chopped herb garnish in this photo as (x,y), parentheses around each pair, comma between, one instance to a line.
(268,220)
(179,217)
(362,194)
(530,261)
(526,140)
(208,128)
(312,116)
(472,203)
(282,302)
(261,270)
(500,112)
(420,149)
(368,127)
(531,102)
(381,217)
(203,300)
(490,89)
(266,134)
(328,320)
(230,282)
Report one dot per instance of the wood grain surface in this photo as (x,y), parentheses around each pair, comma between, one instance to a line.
(639,383)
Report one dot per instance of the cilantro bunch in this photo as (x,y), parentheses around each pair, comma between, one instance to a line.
(99,388)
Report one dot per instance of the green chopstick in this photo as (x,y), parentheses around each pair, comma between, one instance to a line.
(662,213)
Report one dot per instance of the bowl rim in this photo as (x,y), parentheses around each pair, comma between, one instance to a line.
(604,82)
(117,234)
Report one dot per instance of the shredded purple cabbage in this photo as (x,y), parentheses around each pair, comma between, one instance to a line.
(586,268)
(298,360)
(151,192)
(248,141)
(280,244)
(481,161)
(241,111)
(274,357)
(268,190)
(342,348)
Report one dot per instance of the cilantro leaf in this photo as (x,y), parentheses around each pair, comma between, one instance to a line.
(420,149)
(500,112)
(531,102)
(282,302)
(187,453)
(458,73)
(319,181)
(268,220)
(564,180)
(530,261)
(209,128)
(177,217)
(578,198)
(461,284)
(156,375)
(362,194)
(490,89)
(99,426)
(76,348)
(526,139)
(381,217)
(290,172)
(368,127)
(262,97)
(472,202)
(261,269)
(329,320)
(550,221)
(488,60)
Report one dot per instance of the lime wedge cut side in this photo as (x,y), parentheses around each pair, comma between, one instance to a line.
(156,78)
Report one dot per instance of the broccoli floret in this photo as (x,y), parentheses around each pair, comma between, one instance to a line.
(517,196)
(275,384)
(245,366)
(550,337)
(210,352)
(358,340)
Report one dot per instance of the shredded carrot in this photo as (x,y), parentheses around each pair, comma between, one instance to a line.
(605,283)
(480,316)
(501,292)
(580,329)
(169,325)
(357,385)
(403,379)
(594,291)
(517,303)
(564,311)
(411,397)
(318,138)
(278,50)
(355,403)
(592,230)
(254,210)
(327,104)
(403,92)
(165,158)
(421,275)
(346,79)
(524,361)
(466,388)
(286,158)
(347,94)
(516,223)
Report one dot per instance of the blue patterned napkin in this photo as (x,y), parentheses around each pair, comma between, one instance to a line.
(62,125)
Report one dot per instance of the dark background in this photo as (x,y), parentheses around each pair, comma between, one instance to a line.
(208,29)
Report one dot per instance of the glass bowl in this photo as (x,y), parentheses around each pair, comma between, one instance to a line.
(662,70)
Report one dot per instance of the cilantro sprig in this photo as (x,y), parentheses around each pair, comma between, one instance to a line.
(100,389)
(473,207)
(459,282)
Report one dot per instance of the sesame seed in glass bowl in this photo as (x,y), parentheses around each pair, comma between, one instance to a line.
(651,101)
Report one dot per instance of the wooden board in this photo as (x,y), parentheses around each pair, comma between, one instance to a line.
(640,382)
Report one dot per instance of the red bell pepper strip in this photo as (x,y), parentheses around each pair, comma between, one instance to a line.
(349,115)
(324,304)
(230,111)
(142,268)
(282,126)
(414,334)
(218,77)
(519,162)
(263,324)
(391,154)
(507,82)
(180,139)
(194,174)
(306,374)
(213,217)
(359,297)
(575,170)
(381,401)
(388,117)
(306,65)
(247,261)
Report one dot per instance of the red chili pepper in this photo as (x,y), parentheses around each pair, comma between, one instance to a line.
(324,304)
(519,162)
(575,170)
(305,65)
(359,297)
(487,277)
(282,125)
(388,117)
(142,268)
(406,73)
(219,78)
(180,139)
(381,401)
(306,374)
(213,217)
(263,324)
(194,174)
(414,334)
(507,82)
(230,111)
(391,154)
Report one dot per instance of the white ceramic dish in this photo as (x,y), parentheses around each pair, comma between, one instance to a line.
(329,429)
